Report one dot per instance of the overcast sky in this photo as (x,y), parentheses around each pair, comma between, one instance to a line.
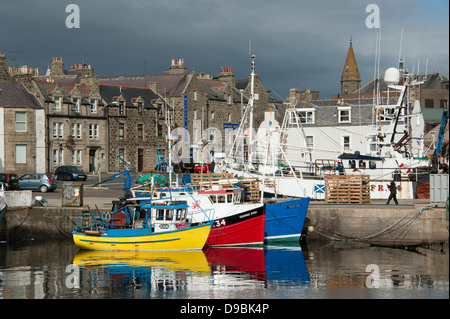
(297,43)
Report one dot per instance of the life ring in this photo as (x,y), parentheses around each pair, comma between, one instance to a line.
(108,217)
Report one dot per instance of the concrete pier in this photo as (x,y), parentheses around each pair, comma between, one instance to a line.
(413,222)
(409,224)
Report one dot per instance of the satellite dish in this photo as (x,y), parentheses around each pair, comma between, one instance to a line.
(392,76)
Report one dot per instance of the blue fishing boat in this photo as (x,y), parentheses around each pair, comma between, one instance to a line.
(285,219)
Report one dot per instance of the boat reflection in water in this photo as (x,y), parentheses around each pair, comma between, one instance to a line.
(188,274)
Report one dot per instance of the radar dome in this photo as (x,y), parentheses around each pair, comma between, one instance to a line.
(392,76)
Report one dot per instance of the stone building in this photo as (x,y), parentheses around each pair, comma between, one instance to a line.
(132,126)
(198,103)
(90,125)
(76,118)
(22,127)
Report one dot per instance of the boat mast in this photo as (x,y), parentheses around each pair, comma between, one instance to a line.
(252,95)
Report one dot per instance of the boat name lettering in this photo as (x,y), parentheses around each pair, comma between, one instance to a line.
(248,214)
(164,226)
(293,206)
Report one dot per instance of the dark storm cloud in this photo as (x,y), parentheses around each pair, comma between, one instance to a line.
(297,43)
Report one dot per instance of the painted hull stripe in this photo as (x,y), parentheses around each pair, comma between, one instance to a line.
(129,242)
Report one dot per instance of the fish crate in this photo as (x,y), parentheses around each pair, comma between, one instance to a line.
(345,189)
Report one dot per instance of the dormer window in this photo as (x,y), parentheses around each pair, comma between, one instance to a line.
(58,103)
(140,107)
(121,108)
(306,116)
(94,103)
(76,104)
(344,114)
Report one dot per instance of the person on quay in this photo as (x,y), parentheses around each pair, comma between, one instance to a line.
(393,193)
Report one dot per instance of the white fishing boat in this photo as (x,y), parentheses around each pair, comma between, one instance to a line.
(3,204)
(391,155)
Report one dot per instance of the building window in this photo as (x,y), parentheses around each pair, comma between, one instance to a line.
(57,129)
(230,99)
(21,154)
(344,114)
(195,114)
(58,103)
(429,103)
(346,143)
(212,115)
(121,131)
(76,130)
(76,104)
(93,106)
(229,117)
(307,116)
(21,121)
(121,108)
(140,107)
(76,157)
(195,95)
(121,156)
(93,131)
(443,104)
(57,157)
(140,128)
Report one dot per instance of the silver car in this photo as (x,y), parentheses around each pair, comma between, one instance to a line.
(38,181)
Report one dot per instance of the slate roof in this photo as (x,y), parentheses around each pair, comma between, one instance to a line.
(63,79)
(215,90)
(48,88)
(326,111)
(169,84)
(13,94)
(433,82)
(110,92)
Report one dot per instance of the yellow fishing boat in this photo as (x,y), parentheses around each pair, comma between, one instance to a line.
(191,261)
(161,225)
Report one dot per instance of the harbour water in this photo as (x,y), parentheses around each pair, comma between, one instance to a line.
(58,270)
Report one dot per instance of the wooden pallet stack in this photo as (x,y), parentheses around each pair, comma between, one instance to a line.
(253,188)
(207,179)
(347,189)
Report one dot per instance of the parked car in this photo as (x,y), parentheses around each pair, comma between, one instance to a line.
(38,181)
(10,181)
(205,168)
(70,173)
(183,167)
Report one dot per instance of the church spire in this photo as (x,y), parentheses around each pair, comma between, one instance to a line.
(350,79)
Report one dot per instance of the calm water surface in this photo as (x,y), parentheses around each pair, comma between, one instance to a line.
(58,270)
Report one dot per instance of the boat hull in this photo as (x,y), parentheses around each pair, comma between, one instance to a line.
(246,228)
(193,238)
(284,220)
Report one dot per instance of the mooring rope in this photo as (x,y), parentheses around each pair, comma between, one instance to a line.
(409,223)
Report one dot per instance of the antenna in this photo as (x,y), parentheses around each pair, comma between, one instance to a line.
(418,57)
(400,50)
(12,57)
